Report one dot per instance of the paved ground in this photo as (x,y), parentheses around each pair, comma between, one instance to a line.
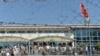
(50,55)
(63,55)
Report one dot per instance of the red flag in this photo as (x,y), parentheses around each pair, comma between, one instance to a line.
(84,11)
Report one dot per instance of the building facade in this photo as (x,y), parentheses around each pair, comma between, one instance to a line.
(79,34)
(83,34)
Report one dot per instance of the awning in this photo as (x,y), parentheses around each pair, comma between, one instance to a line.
(52,38)
(12,39)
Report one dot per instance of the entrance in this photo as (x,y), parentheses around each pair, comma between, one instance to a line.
(51,44)
(52,40)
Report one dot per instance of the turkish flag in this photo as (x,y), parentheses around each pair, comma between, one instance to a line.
(84,12)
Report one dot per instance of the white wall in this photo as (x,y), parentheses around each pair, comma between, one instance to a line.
(36,35)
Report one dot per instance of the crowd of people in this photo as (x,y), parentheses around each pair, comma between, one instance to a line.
(22,50)
(13,50)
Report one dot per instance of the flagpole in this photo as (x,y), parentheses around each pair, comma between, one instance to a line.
(90,39)
(90,44)
(87,21)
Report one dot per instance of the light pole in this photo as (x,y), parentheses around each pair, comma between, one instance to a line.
(75,54)
(29,43)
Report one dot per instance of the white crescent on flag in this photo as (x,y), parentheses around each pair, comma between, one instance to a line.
(84,12)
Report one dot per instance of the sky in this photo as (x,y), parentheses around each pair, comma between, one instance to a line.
(48,11)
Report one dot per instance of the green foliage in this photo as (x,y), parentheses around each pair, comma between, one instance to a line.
(81,44)
(98,45)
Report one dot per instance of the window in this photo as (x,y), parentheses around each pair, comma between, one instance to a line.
(31,31)
(78,32)
(47,31)
(11,31)
(84,32)
(93,32)
(2,31)
(78,38)
(84,38)
(94,38)
(21,31)
(99,32)
(40,31)
(98,38)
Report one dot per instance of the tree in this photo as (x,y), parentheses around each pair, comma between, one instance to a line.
(98,45)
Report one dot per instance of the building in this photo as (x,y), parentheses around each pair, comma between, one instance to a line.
(84,33)
(79,34)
